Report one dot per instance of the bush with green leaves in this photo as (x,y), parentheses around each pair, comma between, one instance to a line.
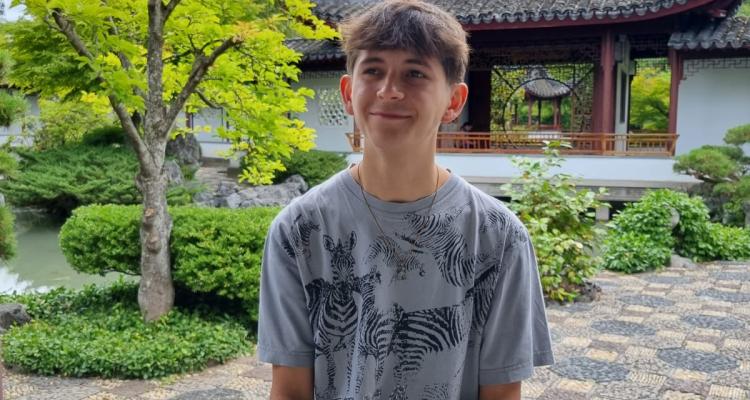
(100,332)
(104,136)
(644,234)
(561,221)
(214,250)
(634,252)
(315,166)
(7,235)
(64,123)
(8,165)
(723,170)
(63,178)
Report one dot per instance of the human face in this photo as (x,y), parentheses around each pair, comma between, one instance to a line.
(399,99)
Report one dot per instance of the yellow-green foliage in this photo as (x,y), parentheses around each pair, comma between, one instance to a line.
(213,250)
(251,81)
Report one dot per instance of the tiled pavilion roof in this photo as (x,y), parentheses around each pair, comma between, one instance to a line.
(488,11)
(729,33)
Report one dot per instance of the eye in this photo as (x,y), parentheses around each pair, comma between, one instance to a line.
(416,74)
(371,71)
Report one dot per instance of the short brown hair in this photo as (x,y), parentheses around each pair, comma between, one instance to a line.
(412,25)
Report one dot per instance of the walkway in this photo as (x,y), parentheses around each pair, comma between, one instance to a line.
(675,334)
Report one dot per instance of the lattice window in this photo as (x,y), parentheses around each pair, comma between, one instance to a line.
(331,110)
(692,67)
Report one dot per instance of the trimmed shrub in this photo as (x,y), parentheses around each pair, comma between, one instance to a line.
(560,219)
(63,123)
(100,332)
(315,166)
(61,179)
(213,250)
(104,136)
(8,165)
(634,252)
(7,235)
(645,227)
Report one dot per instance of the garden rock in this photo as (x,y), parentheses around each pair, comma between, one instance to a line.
(186,149)
(230,195)
(746,209)
(12,314)
(677,261)
(173,171)
(2,200)
(675,219)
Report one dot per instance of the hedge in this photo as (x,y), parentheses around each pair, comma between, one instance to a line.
(213,250)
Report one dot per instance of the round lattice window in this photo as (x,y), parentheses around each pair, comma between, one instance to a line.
(331,110)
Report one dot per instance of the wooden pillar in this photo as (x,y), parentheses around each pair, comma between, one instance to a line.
(530,106)
(604,86)
(676,63)
(480,100)
(538,114)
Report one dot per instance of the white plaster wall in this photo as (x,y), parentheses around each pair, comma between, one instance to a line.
(625,170)
(328,137)
(713,97)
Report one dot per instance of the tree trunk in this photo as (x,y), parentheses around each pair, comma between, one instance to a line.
(156,291)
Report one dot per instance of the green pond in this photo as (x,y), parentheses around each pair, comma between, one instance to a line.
(39,264)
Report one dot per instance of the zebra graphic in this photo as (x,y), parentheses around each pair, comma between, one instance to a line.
(394,257)
(514,230)
(297,243)
(372,331)
(417,333)
(333,312)
(442,237)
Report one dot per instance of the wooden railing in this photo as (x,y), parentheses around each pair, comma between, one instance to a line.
(602,144)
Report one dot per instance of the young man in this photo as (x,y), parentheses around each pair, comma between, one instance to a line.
(396,279)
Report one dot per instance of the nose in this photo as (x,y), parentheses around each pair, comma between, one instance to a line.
(389,89)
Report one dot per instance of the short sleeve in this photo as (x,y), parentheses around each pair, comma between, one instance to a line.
(284,332)
(516,337)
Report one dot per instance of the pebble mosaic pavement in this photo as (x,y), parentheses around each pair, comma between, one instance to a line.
(672,334)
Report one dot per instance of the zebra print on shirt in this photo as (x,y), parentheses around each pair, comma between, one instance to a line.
(297,242)
(515,233)
(402,262)
(333,311)
(418,333)
(440,235)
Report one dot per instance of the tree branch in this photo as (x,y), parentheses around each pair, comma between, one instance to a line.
(67,28)
(169,8)
(200,67)
(206,100)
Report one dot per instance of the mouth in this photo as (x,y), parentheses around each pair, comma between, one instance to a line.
(390,115)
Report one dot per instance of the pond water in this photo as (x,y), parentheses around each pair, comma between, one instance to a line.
(39,264)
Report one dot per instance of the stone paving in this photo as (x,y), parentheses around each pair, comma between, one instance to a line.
(673,334)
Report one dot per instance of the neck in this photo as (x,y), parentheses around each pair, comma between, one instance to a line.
(399,179)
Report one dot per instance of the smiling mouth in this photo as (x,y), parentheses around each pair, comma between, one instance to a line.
(389,115)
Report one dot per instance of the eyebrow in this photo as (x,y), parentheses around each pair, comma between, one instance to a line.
(376,59)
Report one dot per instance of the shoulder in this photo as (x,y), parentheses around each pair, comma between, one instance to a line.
(495,218)
(313,204)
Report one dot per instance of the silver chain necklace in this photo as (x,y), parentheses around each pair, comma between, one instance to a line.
(382,232)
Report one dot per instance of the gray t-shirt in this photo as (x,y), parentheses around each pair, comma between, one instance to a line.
(434,308)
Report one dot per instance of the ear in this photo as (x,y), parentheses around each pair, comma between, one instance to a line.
(459,94)
(345,86)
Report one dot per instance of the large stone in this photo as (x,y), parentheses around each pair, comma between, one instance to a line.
(186,149)
(12,314)
(677,261)
(173,171)
(226,188)
(234,200)
(2,200)
(206,199)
